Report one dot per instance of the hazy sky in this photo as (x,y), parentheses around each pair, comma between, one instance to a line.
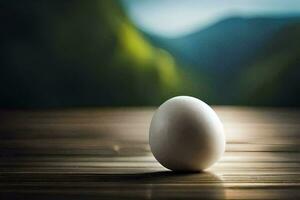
(172,18)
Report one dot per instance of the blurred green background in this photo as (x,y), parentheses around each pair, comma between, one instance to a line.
(136,53)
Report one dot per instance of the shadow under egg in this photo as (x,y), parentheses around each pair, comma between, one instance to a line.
(182,185)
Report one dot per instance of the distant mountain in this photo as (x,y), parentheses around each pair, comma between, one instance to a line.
(247,60)
(224,45)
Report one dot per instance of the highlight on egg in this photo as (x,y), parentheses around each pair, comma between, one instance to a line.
(186,135)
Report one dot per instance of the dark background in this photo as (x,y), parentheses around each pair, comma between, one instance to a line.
(89,53)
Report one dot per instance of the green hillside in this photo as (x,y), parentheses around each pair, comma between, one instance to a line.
(68,53)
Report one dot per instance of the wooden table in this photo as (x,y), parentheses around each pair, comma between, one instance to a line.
(104,154)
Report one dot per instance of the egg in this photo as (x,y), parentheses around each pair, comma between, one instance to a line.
(186,134)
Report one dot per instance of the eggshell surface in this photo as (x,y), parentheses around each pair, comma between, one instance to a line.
(186,134)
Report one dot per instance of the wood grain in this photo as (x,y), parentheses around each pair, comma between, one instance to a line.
(104,154)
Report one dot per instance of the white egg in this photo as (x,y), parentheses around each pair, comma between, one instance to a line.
(186,134)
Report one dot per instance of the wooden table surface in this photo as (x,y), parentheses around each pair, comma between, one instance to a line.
(104,154)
